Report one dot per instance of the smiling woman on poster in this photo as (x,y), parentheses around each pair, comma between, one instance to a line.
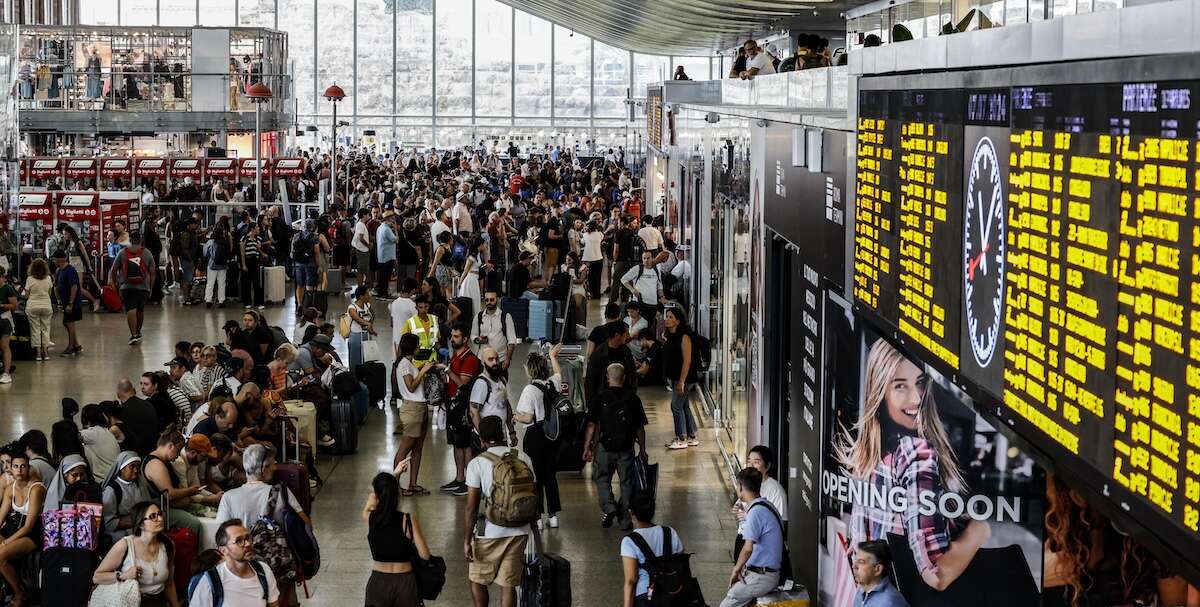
(900,448)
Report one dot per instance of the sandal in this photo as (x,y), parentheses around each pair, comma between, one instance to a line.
(419,490)
(407,492)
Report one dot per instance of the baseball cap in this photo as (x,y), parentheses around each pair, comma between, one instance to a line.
(178,360)
(199,443)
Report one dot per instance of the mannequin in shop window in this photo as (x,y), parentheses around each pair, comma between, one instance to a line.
(94,87)
(235,84)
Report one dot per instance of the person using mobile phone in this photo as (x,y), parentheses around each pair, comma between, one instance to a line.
(414,418)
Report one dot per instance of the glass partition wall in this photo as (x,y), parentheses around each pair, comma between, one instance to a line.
(434,72)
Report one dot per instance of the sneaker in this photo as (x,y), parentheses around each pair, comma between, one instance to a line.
(247,306)
(541,524)
(96,305)
(693,442)
(326,441)
(313,484)
(677,444)
(449,486)
(607,521)
(134,339)
(259,307)
(460,490)
(5,378)
(553,522)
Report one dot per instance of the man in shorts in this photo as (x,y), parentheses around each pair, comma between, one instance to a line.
(69,291)
(133,273)
(306,249)
(495,554)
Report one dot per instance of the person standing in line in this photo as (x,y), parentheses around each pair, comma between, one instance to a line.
(872,569)
(218,250)
(494,553)
(616,423)
(593,256)
(361,243)
(394,537)
(362,324)
(385,250)
(490,396)
(542,391)
(8,305)
(251,256)
(306,249)
(132,273)
(38,307)
(464,366)
(679,368)
(494,328)
(624,257)
(646,285)
(414,415)
(68,290)
(756,572)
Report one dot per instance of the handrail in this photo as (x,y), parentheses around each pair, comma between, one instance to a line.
(47,88)
(816,89)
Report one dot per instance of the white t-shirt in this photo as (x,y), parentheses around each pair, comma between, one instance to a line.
(683,270)
(532,401)
(635,345)
(772,491)
(479,476)
(362,238)
(646,285)
(651,238)
(239,591)
(249,503)
(462,216)
(654,537)
(762,61)
(435,229)
(591,246)
(495,394)
(401,310)
(406,367)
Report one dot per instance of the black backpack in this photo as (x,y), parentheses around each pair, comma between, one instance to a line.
(671,581)
(559,411)
(458,418)
(302,248)
(616,422)
(701,351)
(218,589)
(220,252)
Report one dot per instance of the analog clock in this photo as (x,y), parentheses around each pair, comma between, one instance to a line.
(983,252)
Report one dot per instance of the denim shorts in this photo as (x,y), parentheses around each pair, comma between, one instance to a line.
(306,275)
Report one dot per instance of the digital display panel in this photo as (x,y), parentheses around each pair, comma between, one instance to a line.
(1076,274)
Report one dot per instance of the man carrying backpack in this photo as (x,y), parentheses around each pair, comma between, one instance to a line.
(305,249)
(654,560)
(646,284)
(501,503)
(616,421)
(132,273)
(756,572)
(238,580)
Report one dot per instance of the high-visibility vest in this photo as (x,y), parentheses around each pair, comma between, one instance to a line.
(427,334)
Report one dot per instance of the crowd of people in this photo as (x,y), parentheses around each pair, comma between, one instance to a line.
(445,246)
(811,51)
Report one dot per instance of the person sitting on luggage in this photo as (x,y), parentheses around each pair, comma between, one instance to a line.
(394,537)
(872,569)
(311,318)
(531,409)
(633,557)
(756,572)
(164,481)
(194,468)
(222,419)
(243,580)
(616,422)
(124,488)
(495,552)
(146,555)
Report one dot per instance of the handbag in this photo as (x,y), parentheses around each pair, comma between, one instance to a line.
(121,594)
(370,349)
(431,573)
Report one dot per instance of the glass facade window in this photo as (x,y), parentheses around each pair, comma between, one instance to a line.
(414,86)
(98,13)
(138,12)
(373,95)
(177,12)
(532,65)
(255,13)
(335,59)
(610,73)
(695,67)
(298,18)
(219,13)
(493,58)
(647,69)
(572,73)
(453,77)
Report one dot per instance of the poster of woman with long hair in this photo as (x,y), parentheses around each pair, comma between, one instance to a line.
(916,467)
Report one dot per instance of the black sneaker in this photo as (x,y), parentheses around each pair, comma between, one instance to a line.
(450,486)
(133,340)
(608,519)
(460,490)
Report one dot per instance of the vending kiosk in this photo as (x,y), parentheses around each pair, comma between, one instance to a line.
(43,171)
(183,168)
(81,173)
(81,210)
(125,207)
(116,173)
(35,220)
(149,169)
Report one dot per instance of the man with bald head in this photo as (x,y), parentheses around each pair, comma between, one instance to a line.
(139,421)
(490,396)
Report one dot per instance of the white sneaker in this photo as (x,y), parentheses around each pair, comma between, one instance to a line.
(5,378)
(693,442)
(553,522)
(541,524)
(677,444)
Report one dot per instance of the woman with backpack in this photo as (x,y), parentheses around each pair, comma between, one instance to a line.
(541,394)
(218,251)
(680,371)
(395,538)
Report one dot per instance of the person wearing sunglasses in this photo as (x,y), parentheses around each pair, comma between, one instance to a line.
(145,555)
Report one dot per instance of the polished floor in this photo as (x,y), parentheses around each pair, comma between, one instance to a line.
(693,495)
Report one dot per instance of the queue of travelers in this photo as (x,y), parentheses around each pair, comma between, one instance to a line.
(444,246)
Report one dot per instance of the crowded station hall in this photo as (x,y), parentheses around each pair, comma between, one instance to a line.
(685,303)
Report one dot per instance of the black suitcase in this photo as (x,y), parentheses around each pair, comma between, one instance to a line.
(21,344)
(519,310)
(374,374)
(316,299)
(547,581)
(570,447)
(66,576)
(343,426)
(494,281)
(466,309)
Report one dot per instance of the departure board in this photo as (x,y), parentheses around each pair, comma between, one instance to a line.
(1067,220)
(906,225)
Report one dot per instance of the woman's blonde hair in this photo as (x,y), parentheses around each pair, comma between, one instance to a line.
(860,457)
(286,352)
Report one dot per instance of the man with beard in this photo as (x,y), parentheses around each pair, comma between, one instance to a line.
(490,396)
(494,328)
(464,367)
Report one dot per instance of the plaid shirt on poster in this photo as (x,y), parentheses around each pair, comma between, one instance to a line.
(914,465)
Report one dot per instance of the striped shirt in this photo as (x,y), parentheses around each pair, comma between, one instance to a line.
(183,405)
(252,244)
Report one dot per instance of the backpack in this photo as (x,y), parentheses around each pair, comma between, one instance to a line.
(559,411)
(218,589)
(458,418)
(616,423)
(302,541)
(271,542)
(220,252)
(135,273)
(458,251)
(514,500)
(302,248)
(671,581)
(560,285)
(701,351)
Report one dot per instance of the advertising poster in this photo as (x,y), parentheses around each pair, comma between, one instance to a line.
(911,464)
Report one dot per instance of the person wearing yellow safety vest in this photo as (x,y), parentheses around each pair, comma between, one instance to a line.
(425,327)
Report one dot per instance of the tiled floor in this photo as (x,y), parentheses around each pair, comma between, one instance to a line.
(693,497)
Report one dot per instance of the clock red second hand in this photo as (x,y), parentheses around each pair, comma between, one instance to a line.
(975,262)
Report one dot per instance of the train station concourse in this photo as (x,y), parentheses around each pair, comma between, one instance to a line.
(685,303)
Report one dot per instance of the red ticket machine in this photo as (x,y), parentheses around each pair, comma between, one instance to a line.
(35,221)
(124,207)
(43,171)
(81,173)
(116,173)
(183,168)
(81,210)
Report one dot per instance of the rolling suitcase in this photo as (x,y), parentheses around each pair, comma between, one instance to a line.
(66,577)
(374,374)
(306,419)
(187,546)
(541,319)
(547,580)
(362,403)
(274,284)
(335,282)
(316,299)
(294,474)
(519,310)
(344,426)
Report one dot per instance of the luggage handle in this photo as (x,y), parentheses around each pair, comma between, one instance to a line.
(283,436)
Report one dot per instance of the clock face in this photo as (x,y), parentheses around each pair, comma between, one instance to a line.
(983,252)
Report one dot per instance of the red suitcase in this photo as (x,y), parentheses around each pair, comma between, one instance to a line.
(110,298)
(187,545)
(294,474)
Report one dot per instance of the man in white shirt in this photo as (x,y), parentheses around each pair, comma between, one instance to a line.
(490,397)
(361,242)
(402,309)
(440,224)
(495,553)
(757,61)
(494,328)
(461,215)
(245,582)
(652,241)
(683,268)
(646,284)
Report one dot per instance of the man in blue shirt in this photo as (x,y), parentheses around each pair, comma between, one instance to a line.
(756,572)
(385,253)
(69,291)
(872,568)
